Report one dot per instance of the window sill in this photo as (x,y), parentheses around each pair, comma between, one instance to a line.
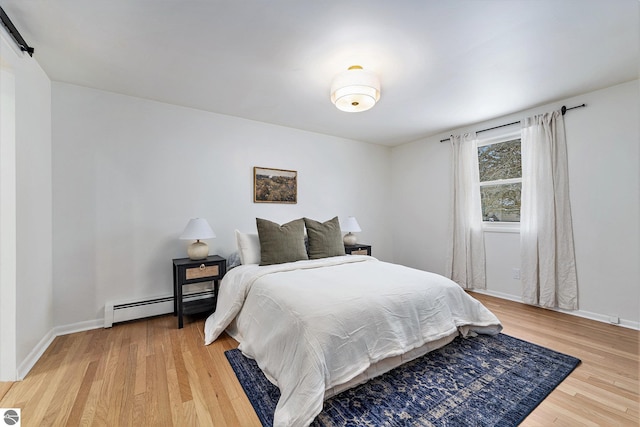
(492,227)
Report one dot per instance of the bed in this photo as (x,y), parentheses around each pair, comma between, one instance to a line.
(319,326)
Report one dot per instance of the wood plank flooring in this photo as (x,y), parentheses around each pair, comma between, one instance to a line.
(149,373)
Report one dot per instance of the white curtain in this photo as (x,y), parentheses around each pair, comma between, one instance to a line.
(466,257)
(548,269)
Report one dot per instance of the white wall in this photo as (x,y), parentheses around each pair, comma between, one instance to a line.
(7,218)
(31,205)
(603,146)
(129,173)
(34,208)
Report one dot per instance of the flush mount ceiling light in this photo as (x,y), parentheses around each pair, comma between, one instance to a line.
(355,90)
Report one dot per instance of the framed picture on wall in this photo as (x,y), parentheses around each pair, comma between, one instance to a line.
(275,185)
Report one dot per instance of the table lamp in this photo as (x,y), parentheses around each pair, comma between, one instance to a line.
(350,225)
(197,229)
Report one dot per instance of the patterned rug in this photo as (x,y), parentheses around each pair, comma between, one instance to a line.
(482,381)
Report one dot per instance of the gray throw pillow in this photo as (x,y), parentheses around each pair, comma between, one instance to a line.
(281,243)
(325,238)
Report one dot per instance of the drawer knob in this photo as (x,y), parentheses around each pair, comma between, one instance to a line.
(202,267)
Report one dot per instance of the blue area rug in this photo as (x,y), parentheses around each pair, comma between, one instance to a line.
(482,381)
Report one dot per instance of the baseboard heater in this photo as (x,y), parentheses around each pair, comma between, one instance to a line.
(123,311)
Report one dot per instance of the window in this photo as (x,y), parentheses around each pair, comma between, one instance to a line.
(500,170)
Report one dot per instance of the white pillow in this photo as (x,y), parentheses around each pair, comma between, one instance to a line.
(249,247)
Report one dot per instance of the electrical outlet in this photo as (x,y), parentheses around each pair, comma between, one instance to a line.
(516,273)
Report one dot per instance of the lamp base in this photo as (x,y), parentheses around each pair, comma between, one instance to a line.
(349,239)
(198,250)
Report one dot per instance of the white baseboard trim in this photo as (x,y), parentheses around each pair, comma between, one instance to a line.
(151,307)
(579,313)
(87,325)
(35,354)
(29,362)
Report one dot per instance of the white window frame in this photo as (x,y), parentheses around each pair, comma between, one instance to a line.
(501,227)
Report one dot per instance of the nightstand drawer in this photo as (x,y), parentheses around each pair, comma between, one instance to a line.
(357,249)
(202,271)
(360,252)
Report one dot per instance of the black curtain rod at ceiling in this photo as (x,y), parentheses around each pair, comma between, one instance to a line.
(15,33)
(563,109)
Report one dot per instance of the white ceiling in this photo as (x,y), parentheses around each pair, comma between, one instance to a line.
(442,64)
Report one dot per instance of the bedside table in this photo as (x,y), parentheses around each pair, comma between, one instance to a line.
(187,271)
(357,249)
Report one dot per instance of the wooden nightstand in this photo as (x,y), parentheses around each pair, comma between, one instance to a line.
(357,249)
(187,271)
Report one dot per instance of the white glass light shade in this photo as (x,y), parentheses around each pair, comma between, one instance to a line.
(197,229)
(355,90)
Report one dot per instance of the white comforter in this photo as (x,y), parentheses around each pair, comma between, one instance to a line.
(312,325)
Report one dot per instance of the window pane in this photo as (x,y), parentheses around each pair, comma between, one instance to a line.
(500,161)
(501,202)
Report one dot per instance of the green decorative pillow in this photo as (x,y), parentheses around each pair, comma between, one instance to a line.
(281,243)
(325,238)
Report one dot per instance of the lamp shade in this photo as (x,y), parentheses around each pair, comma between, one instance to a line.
(350,225)
(355,90)
(197,229)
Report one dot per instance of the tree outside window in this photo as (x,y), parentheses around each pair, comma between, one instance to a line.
(500,168)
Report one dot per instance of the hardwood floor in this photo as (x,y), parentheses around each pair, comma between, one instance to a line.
(148,373)
(603,389)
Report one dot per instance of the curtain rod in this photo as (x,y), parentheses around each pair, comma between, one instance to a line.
(563,109)
(4,18)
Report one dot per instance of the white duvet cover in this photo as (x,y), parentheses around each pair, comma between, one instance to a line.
(313,325)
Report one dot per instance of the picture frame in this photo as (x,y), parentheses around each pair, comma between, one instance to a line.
(275,185)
